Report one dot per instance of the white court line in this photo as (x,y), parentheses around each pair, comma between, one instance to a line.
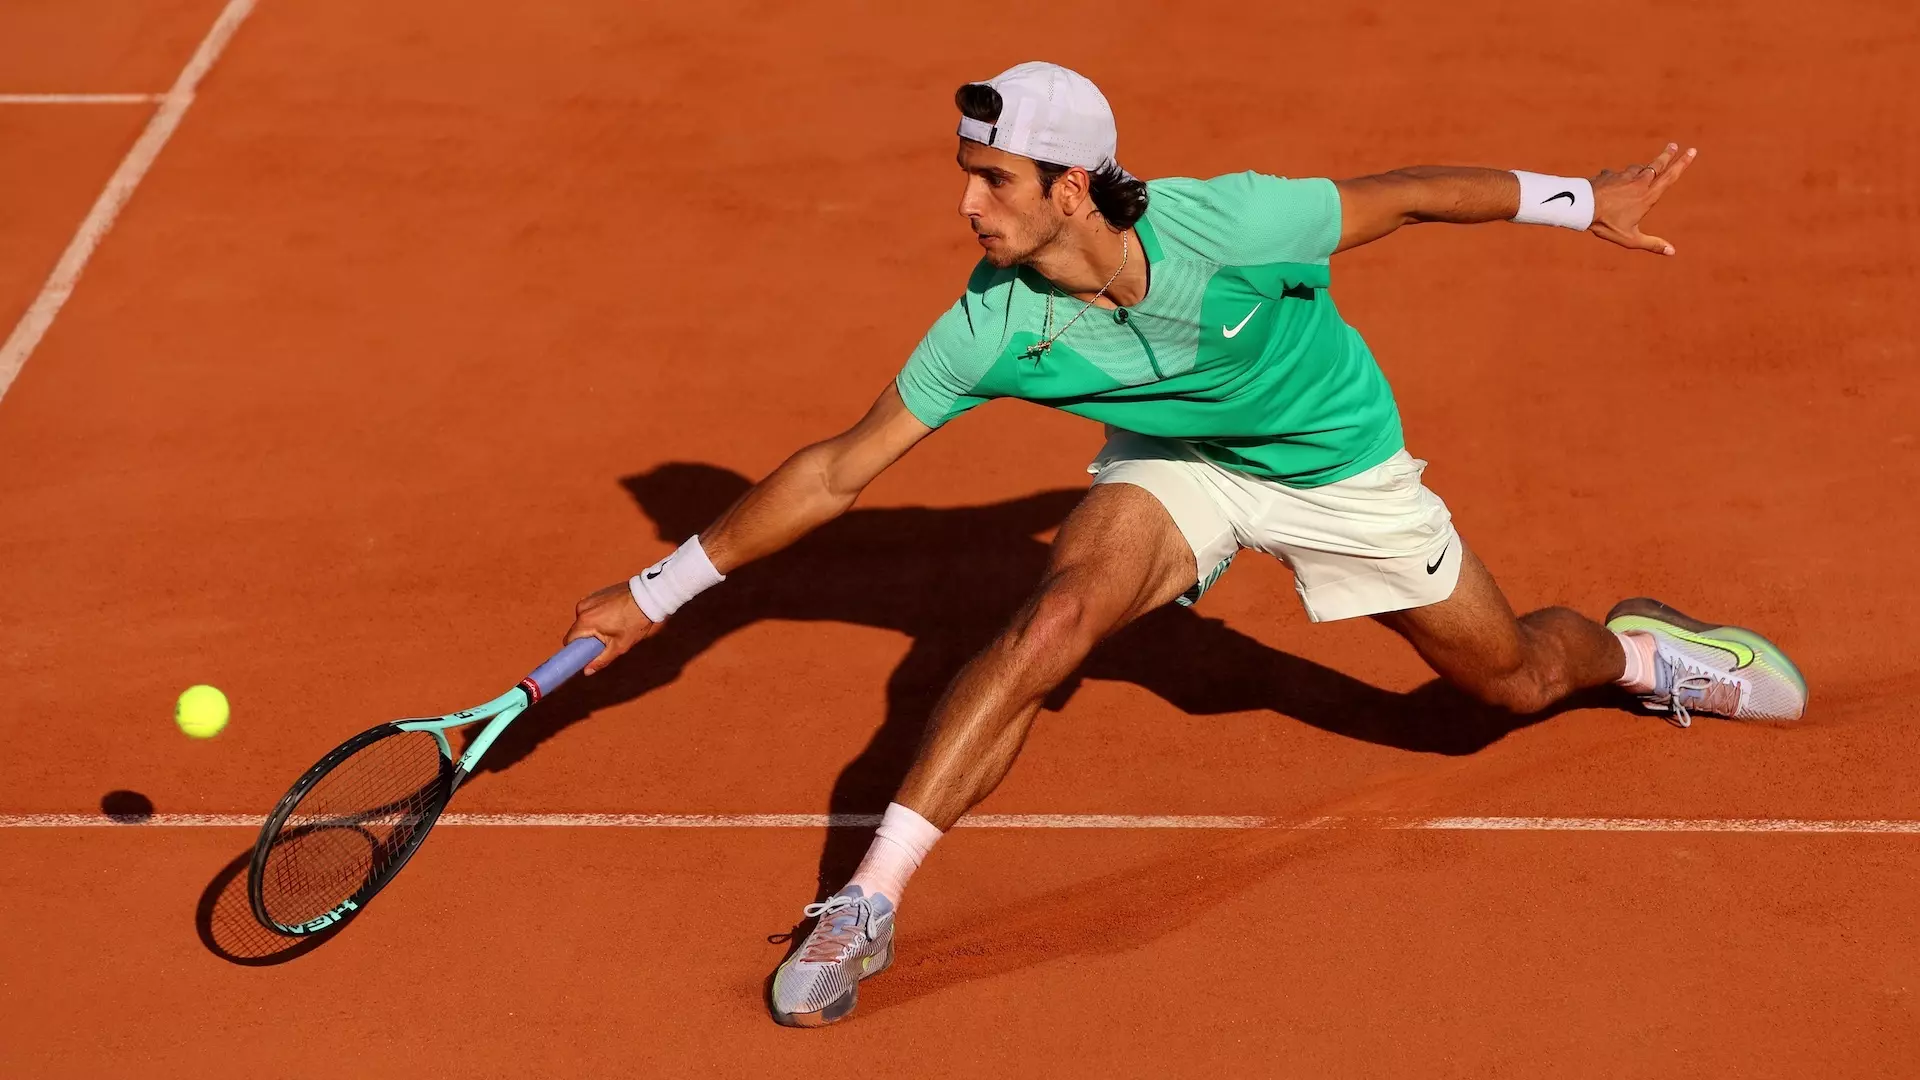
(66,273)
(1050,821)
(81,99)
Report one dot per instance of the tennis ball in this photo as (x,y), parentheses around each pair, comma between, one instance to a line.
(201,712)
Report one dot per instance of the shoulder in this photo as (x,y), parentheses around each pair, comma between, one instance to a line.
(968,333)
(1248,216)
(1237,192)
(982,306)
(990,282)
(939,379)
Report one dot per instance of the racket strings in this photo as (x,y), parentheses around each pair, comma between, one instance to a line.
(357,823)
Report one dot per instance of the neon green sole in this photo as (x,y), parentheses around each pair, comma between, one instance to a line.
(1652,616)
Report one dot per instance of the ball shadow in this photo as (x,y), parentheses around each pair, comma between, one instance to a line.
(126,807)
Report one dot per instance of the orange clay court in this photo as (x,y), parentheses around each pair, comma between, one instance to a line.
(399,327)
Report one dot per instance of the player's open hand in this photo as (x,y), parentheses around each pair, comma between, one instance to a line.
(610,615)
(1621,199)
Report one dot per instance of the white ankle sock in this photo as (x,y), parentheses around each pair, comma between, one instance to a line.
(898,849)
(1639,647)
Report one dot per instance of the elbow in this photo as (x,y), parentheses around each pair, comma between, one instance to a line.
(826,468)
(1419,195)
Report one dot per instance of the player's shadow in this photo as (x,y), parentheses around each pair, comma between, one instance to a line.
(949,578)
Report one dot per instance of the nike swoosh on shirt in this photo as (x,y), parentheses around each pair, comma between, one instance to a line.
(1243,322)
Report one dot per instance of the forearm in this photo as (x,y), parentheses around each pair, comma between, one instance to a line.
(1458,195)
(1373,206)
(1610,205)
(809,489)
(795,499)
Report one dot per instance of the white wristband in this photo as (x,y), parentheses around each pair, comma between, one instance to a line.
(1554,200)
(662,588)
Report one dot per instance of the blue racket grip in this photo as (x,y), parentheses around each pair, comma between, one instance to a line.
(560,667)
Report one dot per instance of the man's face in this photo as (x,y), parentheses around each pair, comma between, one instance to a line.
(1010,217)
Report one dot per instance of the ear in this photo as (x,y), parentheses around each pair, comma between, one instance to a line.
(1073,191)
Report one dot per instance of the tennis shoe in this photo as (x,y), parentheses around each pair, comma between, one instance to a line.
(1702,667)
(852,940)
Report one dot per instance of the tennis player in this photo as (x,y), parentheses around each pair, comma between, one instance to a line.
(1192,318)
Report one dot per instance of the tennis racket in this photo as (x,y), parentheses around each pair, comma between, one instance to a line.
(350,823)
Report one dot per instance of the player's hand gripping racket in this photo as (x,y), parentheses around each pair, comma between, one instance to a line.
(353,820)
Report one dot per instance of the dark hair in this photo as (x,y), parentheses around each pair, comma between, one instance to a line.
(1120,198)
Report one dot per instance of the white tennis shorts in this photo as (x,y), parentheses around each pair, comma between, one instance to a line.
(1375,542)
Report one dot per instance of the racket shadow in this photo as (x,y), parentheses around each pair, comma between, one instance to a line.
(224,920)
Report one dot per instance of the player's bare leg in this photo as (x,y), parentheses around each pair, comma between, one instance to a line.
(1523,665)
(1676,664)
(1117,556)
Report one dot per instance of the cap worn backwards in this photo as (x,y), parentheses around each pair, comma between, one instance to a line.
(1048,113)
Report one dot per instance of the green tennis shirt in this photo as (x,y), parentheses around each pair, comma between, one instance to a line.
(1236,348)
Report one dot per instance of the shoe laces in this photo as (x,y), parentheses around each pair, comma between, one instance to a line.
(1709,689)
(840,928)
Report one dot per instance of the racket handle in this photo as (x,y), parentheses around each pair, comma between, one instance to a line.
(560,667)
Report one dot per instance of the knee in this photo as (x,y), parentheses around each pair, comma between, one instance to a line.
(1519,691)
(1058,623)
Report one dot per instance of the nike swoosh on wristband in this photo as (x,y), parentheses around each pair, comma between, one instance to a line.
(1243,322)
(1567,195)
(653,573)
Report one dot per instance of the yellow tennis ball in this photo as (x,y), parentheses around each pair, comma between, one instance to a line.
(201,712)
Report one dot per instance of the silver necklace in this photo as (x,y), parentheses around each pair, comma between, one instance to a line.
(1039,348)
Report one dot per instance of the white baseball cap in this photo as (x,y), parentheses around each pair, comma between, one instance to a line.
(1050,114)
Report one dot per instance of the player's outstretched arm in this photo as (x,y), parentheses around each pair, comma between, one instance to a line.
(1611,205)
(814,486)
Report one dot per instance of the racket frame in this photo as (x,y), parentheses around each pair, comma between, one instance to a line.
(498,713)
